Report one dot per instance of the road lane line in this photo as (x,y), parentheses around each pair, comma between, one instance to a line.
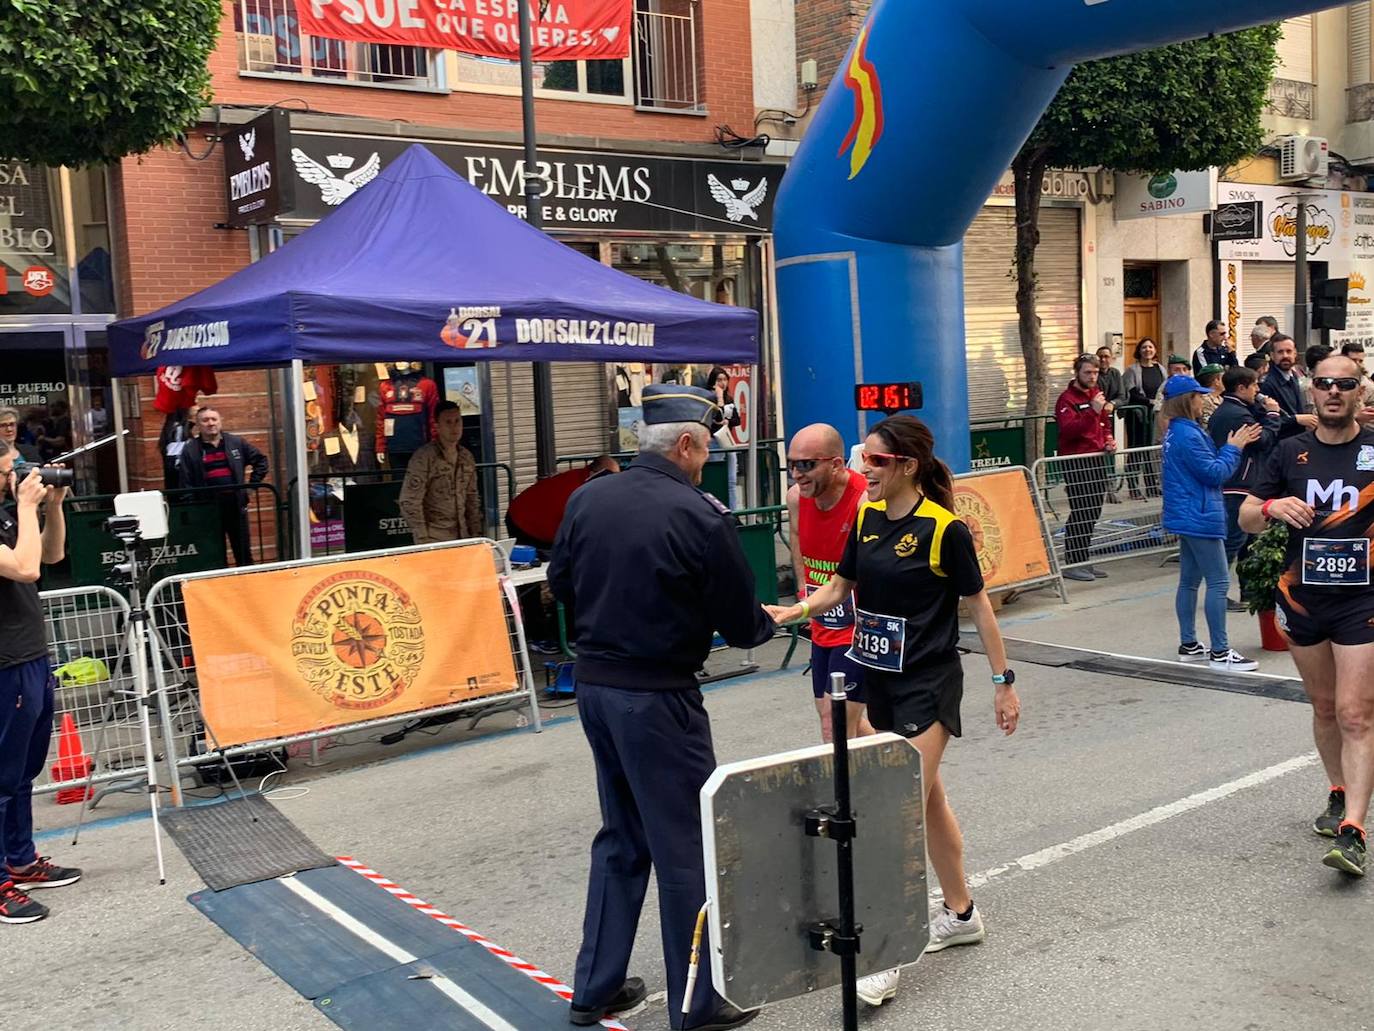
(393,951)
(1045,856)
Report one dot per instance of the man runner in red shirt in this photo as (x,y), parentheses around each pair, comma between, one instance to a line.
(821,506)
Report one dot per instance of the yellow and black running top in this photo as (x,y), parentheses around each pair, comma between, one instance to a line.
(914,569)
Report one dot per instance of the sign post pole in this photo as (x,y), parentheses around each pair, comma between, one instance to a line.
(545,458)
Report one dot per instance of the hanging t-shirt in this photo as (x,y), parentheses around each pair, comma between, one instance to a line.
(405,418)
(179,385)
(911,573)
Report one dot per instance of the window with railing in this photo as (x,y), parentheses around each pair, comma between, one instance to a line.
(572,80)
(1293,93)
(271,42)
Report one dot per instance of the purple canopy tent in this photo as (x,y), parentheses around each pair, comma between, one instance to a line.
(421,262)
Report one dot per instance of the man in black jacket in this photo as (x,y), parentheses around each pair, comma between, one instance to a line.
(219,459)
(1241,405)
(1283,385)
(650,567)
(1216,349)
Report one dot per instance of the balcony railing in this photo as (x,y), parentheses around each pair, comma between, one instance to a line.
(666,71)
(271,43)
(1292,99)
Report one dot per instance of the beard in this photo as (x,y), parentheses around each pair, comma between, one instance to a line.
(1341,420)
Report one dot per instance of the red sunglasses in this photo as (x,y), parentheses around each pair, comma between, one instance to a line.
(879,459)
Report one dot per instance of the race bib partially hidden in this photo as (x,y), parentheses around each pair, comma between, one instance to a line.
(1328,562)
(879,641)
(841,617)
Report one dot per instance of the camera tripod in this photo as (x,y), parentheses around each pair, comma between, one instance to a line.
(134,646)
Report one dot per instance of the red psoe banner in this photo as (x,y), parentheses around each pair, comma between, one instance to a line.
(568,30)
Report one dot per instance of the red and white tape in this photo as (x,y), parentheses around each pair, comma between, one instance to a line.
(531,971)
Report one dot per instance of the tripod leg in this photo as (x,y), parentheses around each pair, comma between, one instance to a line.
(145,722)
(161,652)
(106,719)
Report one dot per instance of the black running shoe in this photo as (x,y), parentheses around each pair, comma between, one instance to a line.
(18,908)
(44,874)
(1329,822)
(1347,854)
(632,993)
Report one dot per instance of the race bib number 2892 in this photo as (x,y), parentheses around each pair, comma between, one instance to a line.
(1328,562)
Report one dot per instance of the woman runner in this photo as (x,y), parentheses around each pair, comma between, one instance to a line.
(908,562)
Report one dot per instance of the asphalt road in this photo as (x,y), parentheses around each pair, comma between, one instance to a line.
(1171,878)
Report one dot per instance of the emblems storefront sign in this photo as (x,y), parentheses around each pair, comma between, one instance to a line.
(582,189)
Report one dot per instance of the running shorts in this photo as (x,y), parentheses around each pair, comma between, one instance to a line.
(825,661)
(1346,618)
(911,702)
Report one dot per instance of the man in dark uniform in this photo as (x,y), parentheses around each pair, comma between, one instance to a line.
(650,567)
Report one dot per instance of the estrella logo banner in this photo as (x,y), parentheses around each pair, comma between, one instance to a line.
(861,77)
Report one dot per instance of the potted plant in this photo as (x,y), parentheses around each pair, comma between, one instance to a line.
(1259,573)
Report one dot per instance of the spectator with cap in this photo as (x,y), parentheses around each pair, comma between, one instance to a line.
(1194,470)
(1210,377)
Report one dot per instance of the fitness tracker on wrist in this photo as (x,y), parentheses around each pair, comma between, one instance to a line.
(1007,677)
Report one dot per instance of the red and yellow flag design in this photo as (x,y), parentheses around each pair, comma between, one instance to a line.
(867,128)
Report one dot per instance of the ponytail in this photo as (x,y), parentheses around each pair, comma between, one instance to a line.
(909,436)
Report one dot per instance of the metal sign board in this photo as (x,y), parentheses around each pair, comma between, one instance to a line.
(767,883)
(257,181)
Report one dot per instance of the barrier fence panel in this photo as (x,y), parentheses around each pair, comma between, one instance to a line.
(86,633)
(1100,507)
(1003,511)
(177,676)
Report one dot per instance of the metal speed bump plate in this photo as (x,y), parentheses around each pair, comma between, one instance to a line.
(768,884)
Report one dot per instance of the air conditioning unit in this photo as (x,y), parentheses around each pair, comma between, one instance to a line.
(1302,158)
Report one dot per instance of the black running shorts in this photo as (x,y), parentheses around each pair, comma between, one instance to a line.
(1309,618)
(911,702)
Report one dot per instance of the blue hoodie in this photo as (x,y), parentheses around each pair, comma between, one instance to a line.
(1194,470)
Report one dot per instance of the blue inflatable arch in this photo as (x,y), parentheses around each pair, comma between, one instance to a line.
(924,115)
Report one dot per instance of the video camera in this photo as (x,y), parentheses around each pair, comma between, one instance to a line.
(50,475)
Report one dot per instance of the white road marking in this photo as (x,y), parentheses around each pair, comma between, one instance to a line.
(393,951)
(1160,813)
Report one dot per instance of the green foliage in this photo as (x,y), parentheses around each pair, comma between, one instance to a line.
(1186,106)
(91,81)
(1260,569)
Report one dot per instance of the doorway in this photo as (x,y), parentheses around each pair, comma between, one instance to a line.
(1141,317)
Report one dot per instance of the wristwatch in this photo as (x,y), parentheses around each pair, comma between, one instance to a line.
(1008,677)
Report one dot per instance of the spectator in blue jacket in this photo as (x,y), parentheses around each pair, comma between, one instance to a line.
(1194,470)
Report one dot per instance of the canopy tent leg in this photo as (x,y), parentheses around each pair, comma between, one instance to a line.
(295,403)
(117,390)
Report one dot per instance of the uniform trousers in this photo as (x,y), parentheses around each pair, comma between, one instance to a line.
(26,704)
(653,753)
(1085,481)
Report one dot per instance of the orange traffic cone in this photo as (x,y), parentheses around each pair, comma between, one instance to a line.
(72,762)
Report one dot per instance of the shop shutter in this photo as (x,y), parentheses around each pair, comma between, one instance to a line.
(1295,50)
(579,406)
(1360,65)
(1266,289)
(997,380)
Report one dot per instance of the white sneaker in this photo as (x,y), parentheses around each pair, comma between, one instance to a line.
(876,989)
(946,929)
(1232,661)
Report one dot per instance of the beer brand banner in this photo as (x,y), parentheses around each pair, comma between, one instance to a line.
(563,30)
(292,650)
(1000,512)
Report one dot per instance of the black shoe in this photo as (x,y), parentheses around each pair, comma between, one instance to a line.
(631,994)
(18,908)
(725,1018)
(1329,822)
(43,874)
(1236,606)
(1347,853)
(1098,574)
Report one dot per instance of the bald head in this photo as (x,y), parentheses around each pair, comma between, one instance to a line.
(815,459)
(819,440)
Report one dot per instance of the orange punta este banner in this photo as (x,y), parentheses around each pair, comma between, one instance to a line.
(563,30)
(1000,513)
(287,651)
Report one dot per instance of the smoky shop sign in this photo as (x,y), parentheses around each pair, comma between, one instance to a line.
(581,189)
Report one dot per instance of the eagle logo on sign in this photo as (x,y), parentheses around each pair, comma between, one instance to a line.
(248,143)
(738,208)
(334,190)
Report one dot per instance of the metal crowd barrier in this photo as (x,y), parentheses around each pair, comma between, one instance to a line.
(86,629)
(175,675)
(1119,504)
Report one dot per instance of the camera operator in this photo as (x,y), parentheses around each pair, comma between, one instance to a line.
(26,684)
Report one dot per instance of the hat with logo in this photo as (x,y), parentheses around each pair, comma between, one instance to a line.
(669,402)
(1176,386)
